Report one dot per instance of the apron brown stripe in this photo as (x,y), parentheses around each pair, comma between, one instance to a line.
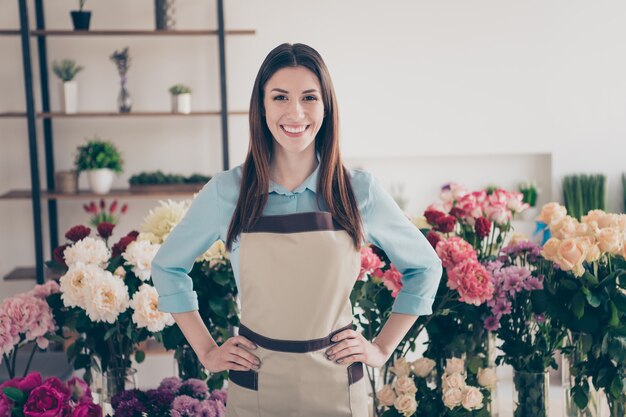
(293,346)
(295,223)
(355,372)
(247,379)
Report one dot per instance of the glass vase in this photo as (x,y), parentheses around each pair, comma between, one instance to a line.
(188,364)
(124,100)
(617,407)
(577,354)
(530,394)
(114,381)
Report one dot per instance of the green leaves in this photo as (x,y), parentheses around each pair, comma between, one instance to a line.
(15,394)
(578,305)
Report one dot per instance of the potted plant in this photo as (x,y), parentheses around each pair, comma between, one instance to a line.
(530,191)
(100,159)
(66,70)
(159,181)
(81,17)
(181,98)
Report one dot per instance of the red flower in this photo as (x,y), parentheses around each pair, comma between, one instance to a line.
(432,216)
(102,204)
(124,208)
(120,247)
(105,229)
(57,254)
(482,227)
(457,212)
(133,233)
(446,224)
(113,207)
(87,409)
(77,233)
(434,238)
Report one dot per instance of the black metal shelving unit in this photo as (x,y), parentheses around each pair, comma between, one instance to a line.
(36,194)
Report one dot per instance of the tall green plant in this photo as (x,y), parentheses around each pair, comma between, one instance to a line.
(582,193)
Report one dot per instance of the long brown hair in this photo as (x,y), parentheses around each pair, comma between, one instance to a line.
(333,180)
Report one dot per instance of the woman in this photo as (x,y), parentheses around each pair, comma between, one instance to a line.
(293,218)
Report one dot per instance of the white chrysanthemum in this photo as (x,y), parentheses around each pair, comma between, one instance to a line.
(215,255)
(106,296)
(160,220)
(87,251)
(139,254)
(145,302)
(73,283)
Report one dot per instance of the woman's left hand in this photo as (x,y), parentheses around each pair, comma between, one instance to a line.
(350,346)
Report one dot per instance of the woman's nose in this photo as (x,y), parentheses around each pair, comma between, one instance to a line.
(296,110)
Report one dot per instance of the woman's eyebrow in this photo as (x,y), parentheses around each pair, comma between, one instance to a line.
(280,90)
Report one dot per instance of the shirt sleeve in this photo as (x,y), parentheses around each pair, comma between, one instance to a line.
(171,265)
(408,249)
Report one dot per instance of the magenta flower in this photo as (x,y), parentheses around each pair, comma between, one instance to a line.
(492,323)
(472,281)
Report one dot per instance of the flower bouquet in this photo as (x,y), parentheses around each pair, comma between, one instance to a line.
(107,299)
(214,283)
(100,213)
(588,296)
(25,318)
(172,398)
(31,396)
(413,392)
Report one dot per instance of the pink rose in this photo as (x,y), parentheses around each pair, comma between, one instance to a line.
(454,251)
(472,282)
(369,262)
(80,390)
(392,279)
(29,382)
(47,401)
(87,409)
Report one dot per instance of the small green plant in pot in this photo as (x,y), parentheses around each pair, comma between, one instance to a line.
(101,160)
(181,98)
(530,191)
(80,17)
(66,70)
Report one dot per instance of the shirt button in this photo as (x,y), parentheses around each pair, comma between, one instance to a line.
(292,197)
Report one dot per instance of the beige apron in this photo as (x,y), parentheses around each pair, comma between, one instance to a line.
(296,275)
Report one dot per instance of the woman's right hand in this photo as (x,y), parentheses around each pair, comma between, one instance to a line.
(230,355)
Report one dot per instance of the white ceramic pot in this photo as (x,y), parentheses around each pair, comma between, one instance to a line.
(69,97)
(181,103)
(100,180)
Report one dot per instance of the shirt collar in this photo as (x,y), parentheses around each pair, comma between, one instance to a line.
(310,182)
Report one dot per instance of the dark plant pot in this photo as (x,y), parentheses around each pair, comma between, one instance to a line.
(81,19)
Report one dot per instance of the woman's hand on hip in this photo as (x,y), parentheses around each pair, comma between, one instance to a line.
(350,346)
(230,355)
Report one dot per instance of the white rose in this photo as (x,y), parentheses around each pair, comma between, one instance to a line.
(405,404)
(401,367)
(452,397)
(106,296)
(456,380)
(405,385)
(145,302)
(215,255)
(455,365)
(610,240)
(565,228)
(139,254)
(423,367)
(73,283)
(487,377)
(87,251)
(386,395)
(472,398)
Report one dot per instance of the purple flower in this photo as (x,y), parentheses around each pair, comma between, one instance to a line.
(502,307)
(185,406)
(158,402)
(131,407)
(219,395)
(212,408)
(171,384)
(514,277)
(195,388)
(540,318)
(124,396)
(533,283)
(492,323)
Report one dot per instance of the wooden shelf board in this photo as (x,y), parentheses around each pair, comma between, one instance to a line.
(10,114)
(134,114)
(9,32)
(85,194)
(23,273)
(138,32)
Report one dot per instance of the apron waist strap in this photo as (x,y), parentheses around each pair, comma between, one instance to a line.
(293,346)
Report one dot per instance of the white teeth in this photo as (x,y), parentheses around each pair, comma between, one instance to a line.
(295,129)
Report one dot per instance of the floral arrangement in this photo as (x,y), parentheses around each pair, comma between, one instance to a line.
(173,398)
(106,297)
(588,296)
(26,318)
(31,396)
(413,393)
(214,283)
(100,214)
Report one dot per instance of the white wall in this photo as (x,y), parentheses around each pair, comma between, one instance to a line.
(453,87)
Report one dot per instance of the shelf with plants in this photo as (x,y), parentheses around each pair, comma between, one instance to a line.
(49,191)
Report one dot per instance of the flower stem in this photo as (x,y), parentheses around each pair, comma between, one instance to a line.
(32,353)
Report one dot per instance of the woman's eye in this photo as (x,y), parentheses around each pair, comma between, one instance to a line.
(310,98)
(280,98)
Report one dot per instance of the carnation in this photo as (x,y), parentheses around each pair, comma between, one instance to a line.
(77,233)
(145,304)
(392,280)
(139,255)
(106,297)
(87,251)
(454,251)
(160,220)
(369,262)
(105,229)
(472,281)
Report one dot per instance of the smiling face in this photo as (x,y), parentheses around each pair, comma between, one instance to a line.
(294,111)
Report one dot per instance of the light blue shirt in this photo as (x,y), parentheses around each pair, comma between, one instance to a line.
(208,219)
